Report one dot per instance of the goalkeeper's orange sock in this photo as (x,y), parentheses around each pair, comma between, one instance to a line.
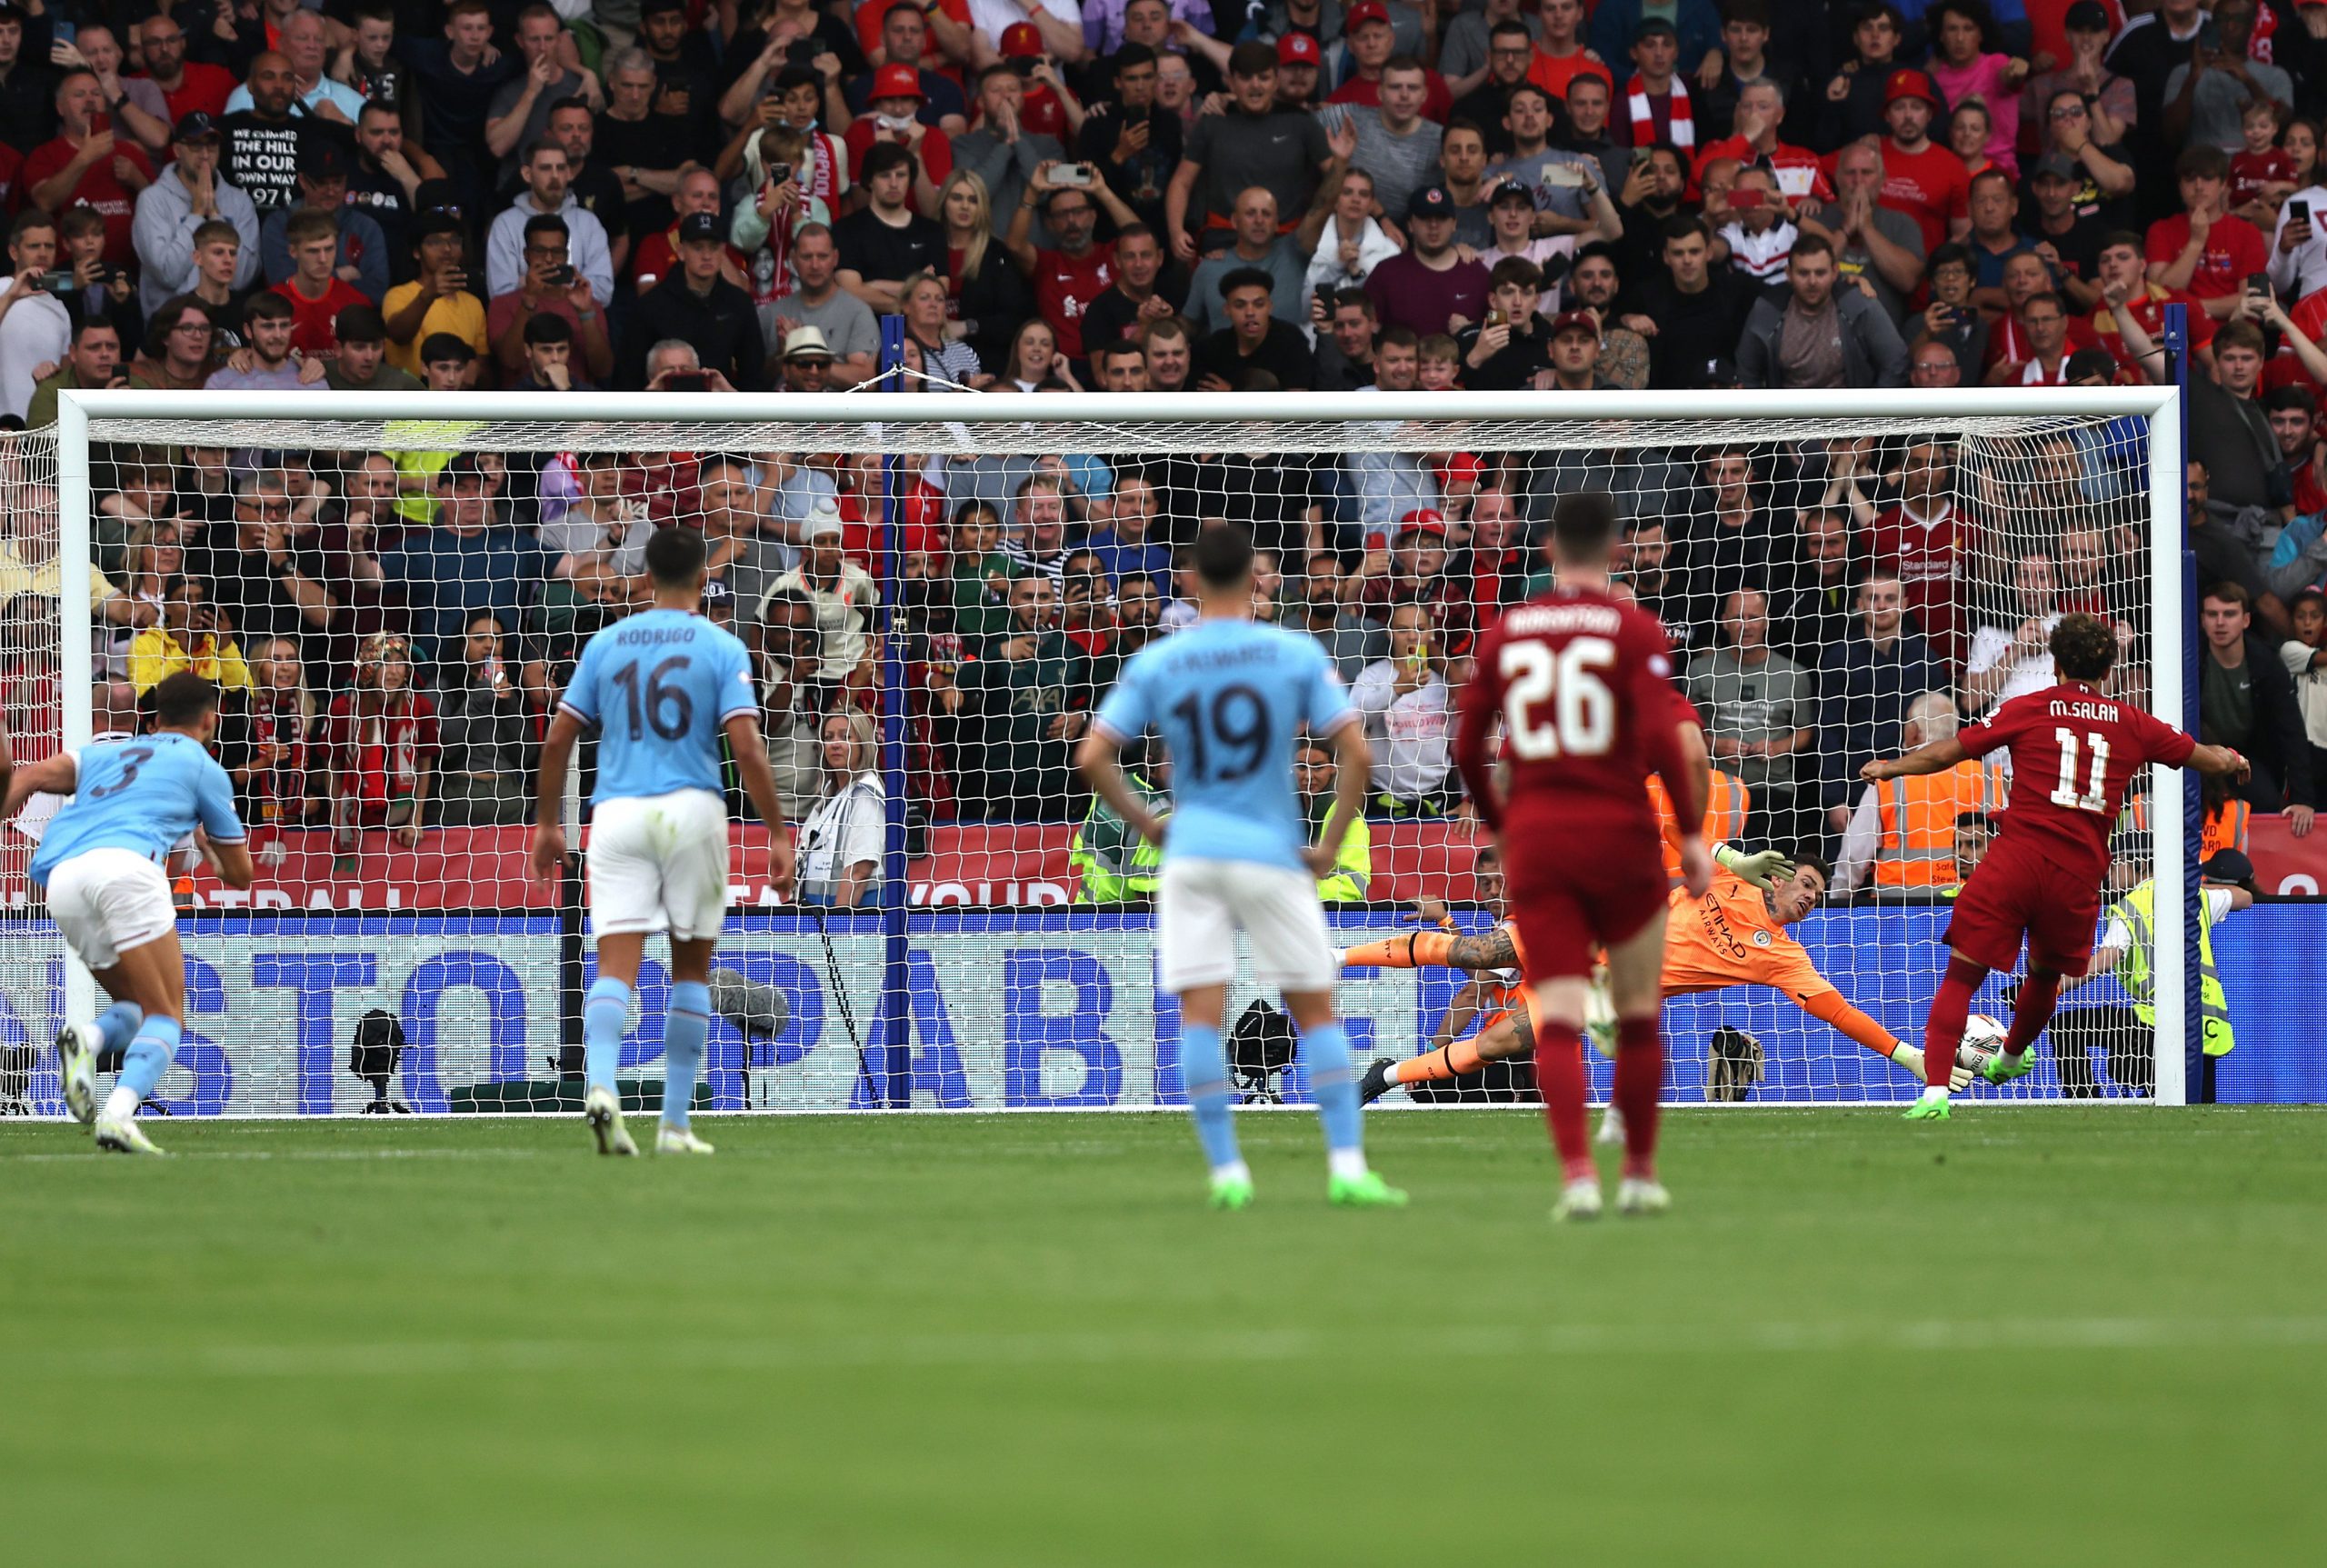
(1437,1066)
(1415,950)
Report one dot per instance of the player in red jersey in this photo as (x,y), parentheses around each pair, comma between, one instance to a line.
(2043,877)
(1582,683)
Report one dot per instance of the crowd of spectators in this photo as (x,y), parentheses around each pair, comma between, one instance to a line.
(667,196)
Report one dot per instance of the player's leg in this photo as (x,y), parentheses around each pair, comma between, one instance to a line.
(1951,1007)
(82,1049)
(694,905)
(687,1034)
(150,976)
(1195,958)
(1497,1040)
(2060,944)
(1983,934)
(1557,1008)
(1292,951)
(605,1018)
(1636,988)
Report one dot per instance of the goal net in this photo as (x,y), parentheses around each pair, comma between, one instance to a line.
(937,591)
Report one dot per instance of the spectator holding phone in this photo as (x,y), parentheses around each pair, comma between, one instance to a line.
(548,192)
(85,166)
(553,289)
(438,300)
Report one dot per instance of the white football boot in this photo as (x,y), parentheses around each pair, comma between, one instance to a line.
(77,1056)
(1578,1199)
(670,1140)
(1611,1127)
(604,1114)
(120,1135)
(1635,1196)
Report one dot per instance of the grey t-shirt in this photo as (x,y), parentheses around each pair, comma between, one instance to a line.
(846,322)
(1763,702)
(1288,293)
(1857,261)
(1400,166)
(1281,151)
(536,126)
(2214,106)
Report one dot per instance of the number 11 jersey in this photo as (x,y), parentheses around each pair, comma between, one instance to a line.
(1230,700)
(2074,754)
(659,687)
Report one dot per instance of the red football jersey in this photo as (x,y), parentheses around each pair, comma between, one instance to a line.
(2073,753)
(1928,554)
(1066,286)
(1582,682)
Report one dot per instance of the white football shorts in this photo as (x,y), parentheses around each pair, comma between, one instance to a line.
(1200,906)
(659,863)
(108,901)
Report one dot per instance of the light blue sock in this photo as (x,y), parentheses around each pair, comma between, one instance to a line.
(685,1027)
(150,1052)
(1325,1056)
(1203,1068)
(118,1024)
(606,1014)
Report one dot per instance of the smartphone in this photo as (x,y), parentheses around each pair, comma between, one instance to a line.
(1745,201)
(2258,282)
(1075,175)
(1564,176)
(778,173)
(1495,317)
(1641,154)
(1325,297)
(1023,65)
(690,381)
(2298,211)
(57,281)
(563,277)
(2210,39)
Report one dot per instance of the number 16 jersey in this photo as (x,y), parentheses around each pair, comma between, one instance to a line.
(1230,699)
(2074,754)
(659,687)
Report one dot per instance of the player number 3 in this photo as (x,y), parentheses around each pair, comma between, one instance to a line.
(1582,720)
(2095,798)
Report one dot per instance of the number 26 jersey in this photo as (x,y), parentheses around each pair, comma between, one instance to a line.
(659,687)
(1582,684)
(2074,754)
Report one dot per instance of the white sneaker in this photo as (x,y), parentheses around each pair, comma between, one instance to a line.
(1611,1127)
(1578,1199)
(1635,1196)
(670,1140)
(76,1055)
(604,1113)
(120,1135)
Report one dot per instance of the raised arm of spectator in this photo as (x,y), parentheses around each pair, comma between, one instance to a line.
(2267,309)
(1175,209)
(1196,41)
(737,103)
(1017,239)
(1063,39)
(501,135)
(1070,106)
(2139,347)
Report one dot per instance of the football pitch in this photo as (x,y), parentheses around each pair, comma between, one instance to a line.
(2047,1336)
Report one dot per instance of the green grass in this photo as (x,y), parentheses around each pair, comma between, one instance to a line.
(2040,1336)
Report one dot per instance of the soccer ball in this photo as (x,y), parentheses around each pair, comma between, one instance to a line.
(1983,1037)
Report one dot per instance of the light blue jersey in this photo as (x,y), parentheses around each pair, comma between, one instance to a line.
(1229,698)
(659,687)
(145,795)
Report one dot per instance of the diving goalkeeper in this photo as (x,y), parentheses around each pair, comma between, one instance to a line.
(1734,936)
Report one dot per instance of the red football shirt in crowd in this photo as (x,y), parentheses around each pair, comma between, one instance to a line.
(314,323)
(2234,249)
(99,189)
(1932,186)
(1066,286)
(1927,553)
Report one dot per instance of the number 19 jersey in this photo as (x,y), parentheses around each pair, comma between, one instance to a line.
(1230,699)
(2074,754)
(659,687)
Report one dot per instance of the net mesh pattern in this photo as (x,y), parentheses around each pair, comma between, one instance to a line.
(1836,589)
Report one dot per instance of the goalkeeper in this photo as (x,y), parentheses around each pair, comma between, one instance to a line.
(1734,936)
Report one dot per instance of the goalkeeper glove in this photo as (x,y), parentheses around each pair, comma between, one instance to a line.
(1764,870)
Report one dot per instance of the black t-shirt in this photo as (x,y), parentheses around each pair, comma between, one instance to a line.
(1110,318)
(379,195)
(1511,370)
(656,141)
(879,253)
(830,33)
(1283,354)
(1141,183)
(2080,248)
(261,157)
(1693,329)
(248,587)
(455,105)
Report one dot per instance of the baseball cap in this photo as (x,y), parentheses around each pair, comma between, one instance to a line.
(1512,191)
(898,81)
(2055,166)
(1299,49)
(441,345)
(2086,16)
(1575,321)
(1366,11)
(806,342)
(700,227)
(1021,38)
(197,126)
(361,324)
(1423,520)
(715,590)
(1910,84)
(2228,865)
(1433,201)
(321,158)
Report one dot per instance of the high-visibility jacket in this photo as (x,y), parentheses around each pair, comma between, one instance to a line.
(2224,828)
(1725,806)
(1114,864)
(1352,865)
(2134,974)
(1918,814)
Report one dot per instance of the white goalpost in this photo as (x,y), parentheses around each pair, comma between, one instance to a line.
(937,589)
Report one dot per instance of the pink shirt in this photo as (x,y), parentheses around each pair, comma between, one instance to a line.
(1983,79)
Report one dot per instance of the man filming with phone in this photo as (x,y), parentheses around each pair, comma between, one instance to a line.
(552,286)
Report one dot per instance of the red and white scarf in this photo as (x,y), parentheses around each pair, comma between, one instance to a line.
(1681,130)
